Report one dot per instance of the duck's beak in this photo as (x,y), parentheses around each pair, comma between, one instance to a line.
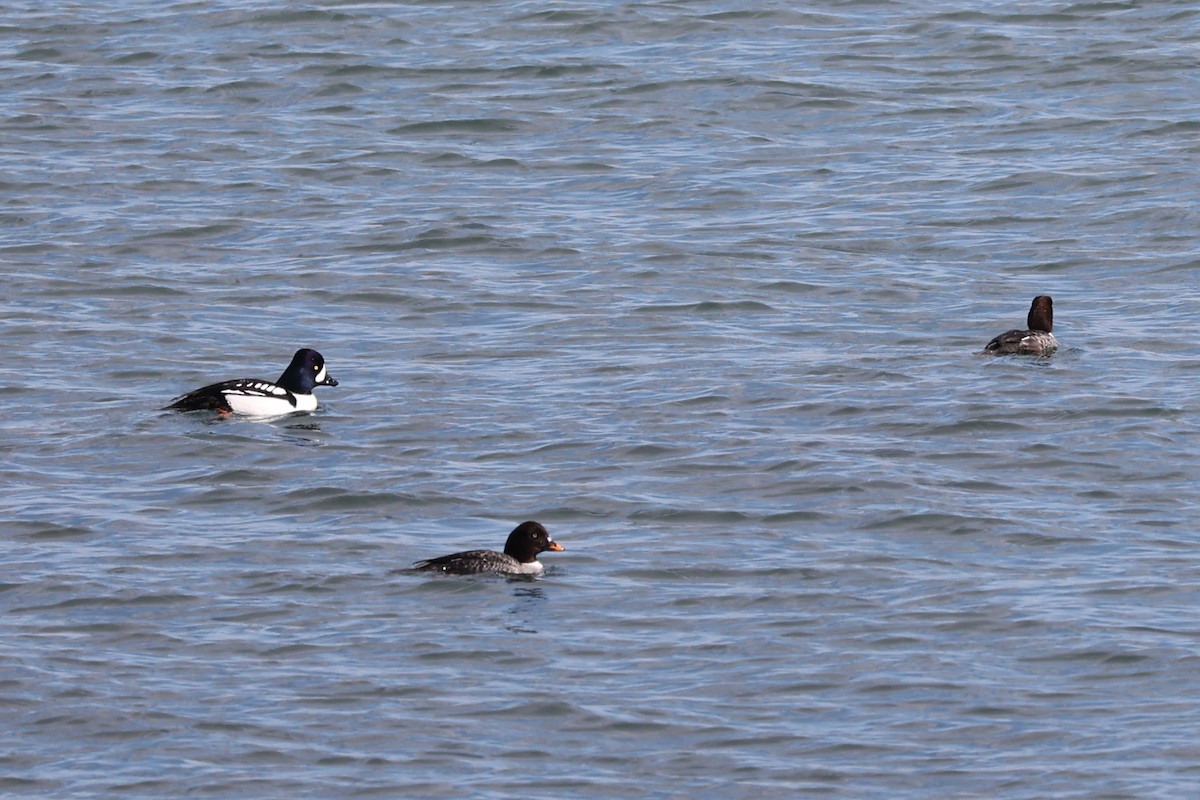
(323,378)
(555,546)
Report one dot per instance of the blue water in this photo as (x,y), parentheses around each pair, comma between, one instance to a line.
(699,285)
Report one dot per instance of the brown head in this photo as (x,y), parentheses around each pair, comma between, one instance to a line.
(527,540)
(1041,314)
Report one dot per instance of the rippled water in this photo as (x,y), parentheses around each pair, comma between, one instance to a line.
(699,285)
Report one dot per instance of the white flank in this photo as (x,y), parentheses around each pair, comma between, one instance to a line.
(259,406)
(1041,340)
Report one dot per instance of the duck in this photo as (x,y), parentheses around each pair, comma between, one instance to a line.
(1037,340)
(520,556)
(292,393)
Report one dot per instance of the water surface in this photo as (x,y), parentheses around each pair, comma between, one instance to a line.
(699,285)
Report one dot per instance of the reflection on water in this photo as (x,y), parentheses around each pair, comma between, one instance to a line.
(527,610)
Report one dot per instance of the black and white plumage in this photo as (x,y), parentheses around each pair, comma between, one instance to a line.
(519,557)
(258,398)
(1037,340)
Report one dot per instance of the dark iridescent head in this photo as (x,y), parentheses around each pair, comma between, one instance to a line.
(527,540)
(305,373)
(1041,314)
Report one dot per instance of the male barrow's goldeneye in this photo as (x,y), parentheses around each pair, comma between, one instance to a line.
(292,392)
(1037,341)
(519,556)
